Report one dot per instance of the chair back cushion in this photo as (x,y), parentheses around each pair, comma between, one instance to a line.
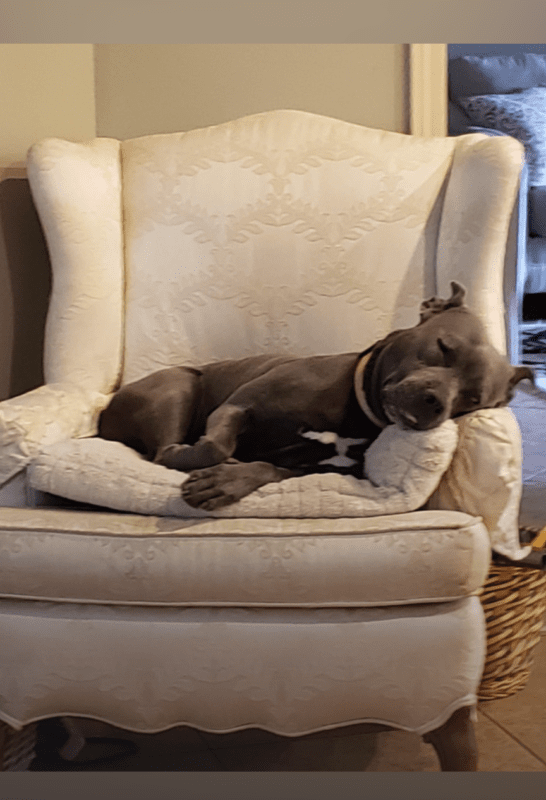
(280,232)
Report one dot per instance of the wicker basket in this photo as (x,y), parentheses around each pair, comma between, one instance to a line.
(17,748)
(514,602)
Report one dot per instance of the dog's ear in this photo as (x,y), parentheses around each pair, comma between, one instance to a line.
(430,307)
(520,374)
(449,344)
(458,293)
(435,305)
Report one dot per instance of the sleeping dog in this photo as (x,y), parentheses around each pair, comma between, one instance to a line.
(237,425)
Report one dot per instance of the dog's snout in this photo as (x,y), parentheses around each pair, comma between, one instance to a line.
(434,403)
(422,400)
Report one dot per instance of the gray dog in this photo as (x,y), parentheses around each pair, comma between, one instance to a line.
(237,425)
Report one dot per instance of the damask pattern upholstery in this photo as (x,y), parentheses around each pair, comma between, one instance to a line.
(76,189)
(254,240)
(399,559)
(286,670)
(281,232)
(475,224)
(194,273)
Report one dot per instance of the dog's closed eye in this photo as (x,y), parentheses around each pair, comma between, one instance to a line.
(471,400)
(448,348)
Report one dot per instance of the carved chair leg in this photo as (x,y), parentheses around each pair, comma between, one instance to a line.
(455,742)
(17,748)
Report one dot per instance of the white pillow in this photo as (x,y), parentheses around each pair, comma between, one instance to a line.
(403,468)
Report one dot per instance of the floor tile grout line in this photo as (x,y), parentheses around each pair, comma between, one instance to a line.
(513,736)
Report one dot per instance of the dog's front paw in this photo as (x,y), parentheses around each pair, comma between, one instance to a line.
(211,488)
(227,482)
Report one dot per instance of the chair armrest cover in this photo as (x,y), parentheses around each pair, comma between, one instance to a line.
(484,477)
(44,416)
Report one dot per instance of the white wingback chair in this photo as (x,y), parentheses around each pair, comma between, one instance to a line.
(279,232)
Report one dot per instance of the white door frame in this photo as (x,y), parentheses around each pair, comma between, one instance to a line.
(428,89)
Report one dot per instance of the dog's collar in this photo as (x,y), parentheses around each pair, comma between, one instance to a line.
(358,382)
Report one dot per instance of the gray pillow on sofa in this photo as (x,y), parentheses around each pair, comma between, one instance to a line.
(473,75)
(521,115)
(459,123)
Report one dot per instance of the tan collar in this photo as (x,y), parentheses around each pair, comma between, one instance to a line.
(359,391)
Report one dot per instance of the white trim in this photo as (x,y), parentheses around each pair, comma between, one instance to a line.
(428,89)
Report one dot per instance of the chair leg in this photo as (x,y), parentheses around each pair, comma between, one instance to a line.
(455,742)
(17,748)
(3,741)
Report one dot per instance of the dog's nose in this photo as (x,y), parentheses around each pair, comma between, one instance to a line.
(434,403)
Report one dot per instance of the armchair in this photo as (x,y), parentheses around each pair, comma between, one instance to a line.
(280,232)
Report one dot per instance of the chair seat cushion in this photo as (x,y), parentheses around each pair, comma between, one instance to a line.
(93,557)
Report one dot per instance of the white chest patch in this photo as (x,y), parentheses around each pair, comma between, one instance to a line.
(342,445)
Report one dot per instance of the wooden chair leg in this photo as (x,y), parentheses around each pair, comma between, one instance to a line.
(17,748)
(455,742)
(3,741)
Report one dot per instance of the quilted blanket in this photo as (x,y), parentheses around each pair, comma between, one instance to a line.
(403,468)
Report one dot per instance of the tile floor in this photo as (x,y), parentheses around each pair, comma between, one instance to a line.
(510,732)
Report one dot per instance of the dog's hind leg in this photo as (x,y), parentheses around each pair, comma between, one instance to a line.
(218,443)
(153,412)
(170,421)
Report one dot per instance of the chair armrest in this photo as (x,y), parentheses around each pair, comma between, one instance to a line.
(484,478)
(46,415)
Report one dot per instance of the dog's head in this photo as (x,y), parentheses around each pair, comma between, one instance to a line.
(442,368)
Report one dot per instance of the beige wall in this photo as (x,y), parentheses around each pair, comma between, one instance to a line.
(77,91)
(46,90)
(159,88)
